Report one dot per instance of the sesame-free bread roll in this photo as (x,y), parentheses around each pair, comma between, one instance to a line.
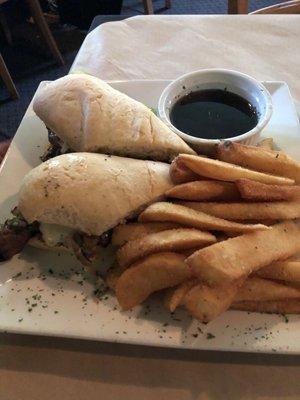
(87,114)
(91,193)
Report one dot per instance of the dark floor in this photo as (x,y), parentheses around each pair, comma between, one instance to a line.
(29,62)
(135,7)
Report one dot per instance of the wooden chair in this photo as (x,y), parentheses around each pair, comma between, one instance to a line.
(7,79)
(4,25)
(148,5)
(4,72)
(41,23)
(286,7)
(238,6)
(39,19)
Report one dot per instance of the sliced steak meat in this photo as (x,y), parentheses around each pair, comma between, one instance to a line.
(14,235)
(16,232)
(72,244)
(55,147)
(11,242)
(51,152)
(87,248)
(54,139)
(105,238)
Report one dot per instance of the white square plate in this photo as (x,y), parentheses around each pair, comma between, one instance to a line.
(49,294)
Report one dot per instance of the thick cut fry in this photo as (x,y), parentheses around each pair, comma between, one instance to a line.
(281,270)
(179,173)
(256,191)
(171,240)
(164,211)
(248,211)
(267,143)
(174,297)
(205,190)
(156,272)
(206,303)
(226,261)
(264,222)
(224,171)
(290,306)
(125,233)
(259,159)
(112,276)
(258,289)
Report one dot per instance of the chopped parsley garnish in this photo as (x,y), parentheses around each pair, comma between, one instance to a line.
(210,336)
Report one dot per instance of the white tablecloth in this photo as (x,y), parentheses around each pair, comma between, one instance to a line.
(48,368)
(162,47)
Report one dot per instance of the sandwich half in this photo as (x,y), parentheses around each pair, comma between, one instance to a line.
(84,113)
(73,201)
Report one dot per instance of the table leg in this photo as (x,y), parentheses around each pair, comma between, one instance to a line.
(148,6)
(238,6)
(5,75)
(5,28)
(40,21)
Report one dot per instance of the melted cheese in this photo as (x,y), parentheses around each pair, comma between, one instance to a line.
(55,234)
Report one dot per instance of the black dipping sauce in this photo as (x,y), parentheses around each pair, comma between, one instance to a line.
(213,114)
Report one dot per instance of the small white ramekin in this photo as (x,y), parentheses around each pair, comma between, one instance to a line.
(233,81)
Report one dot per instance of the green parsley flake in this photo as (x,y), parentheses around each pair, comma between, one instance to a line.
(210,336)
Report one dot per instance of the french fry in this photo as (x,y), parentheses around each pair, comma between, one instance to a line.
(219,237)
(290,306)
(259,159)
(179,173)
(205,190)
(295,285)
(206,303)
(281,270)
(164,211)
(170,240)
(112,276)
(258,289)
(223,262)
(134,230)
(224,171)
(174,297)
(276,210)
(256,191)
(264,222)
(267,143)
(156,272)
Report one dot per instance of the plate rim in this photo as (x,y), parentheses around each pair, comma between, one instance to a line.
(133,341)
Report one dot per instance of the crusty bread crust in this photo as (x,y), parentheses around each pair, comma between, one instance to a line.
(89,115)
(89,192)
